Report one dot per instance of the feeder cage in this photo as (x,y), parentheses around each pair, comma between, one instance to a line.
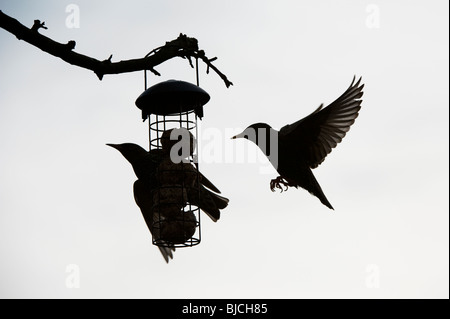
(172,108)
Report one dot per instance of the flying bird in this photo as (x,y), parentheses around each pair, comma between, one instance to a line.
(303,145)
(154,169)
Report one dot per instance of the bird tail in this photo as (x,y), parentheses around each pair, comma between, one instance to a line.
(166,252)
(220,201)
(314,188)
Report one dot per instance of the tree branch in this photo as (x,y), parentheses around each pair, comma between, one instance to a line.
(182,46)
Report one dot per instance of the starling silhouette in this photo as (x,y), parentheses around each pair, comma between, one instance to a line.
(301,146)
(177,186)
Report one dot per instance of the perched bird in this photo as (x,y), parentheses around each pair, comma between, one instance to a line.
(145,165)
(171,186)
(301,146)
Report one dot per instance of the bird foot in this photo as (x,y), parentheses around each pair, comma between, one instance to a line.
(277,182)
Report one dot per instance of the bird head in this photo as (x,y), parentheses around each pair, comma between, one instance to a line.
(252,132)
(181,137)
(130,151)
(265,137)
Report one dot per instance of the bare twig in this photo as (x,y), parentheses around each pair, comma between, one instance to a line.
(183,46)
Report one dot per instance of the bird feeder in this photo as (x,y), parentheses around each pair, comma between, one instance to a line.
(172,109)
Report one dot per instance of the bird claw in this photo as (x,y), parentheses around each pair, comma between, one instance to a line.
(276,183)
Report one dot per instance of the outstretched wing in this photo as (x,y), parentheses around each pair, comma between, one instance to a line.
(317,134)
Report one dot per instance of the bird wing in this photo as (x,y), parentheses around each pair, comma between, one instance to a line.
(143,198)
(209,202)
(206,182)
(318,133)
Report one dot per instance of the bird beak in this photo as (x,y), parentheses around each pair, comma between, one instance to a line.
(241,135)
(113,145)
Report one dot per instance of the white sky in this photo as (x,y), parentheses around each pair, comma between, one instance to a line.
(66,201)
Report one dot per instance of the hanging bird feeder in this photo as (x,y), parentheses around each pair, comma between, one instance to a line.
(173,108)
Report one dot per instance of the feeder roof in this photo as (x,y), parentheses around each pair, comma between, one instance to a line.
(171,97)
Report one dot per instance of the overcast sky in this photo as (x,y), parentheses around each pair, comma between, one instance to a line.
(69,226)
